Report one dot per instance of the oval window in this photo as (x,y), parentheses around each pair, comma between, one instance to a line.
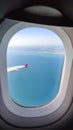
(35,58)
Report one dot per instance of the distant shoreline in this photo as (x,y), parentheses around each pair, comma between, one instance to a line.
(53,52)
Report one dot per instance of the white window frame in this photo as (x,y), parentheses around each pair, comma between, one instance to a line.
(59,99)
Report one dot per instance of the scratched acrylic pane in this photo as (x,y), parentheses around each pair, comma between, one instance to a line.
(35,58)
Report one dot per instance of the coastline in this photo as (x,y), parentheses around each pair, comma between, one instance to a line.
(45,52)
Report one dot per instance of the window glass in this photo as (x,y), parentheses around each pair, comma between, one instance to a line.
(35,58)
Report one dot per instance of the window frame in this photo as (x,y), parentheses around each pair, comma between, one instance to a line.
(58,100)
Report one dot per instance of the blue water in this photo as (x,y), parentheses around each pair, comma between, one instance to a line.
(39,83)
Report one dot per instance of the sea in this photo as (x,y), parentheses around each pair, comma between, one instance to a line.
(38,84)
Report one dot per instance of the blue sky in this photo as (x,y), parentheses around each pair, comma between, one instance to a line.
(34,36)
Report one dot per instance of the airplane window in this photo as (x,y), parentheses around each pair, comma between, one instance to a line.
(35,58)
